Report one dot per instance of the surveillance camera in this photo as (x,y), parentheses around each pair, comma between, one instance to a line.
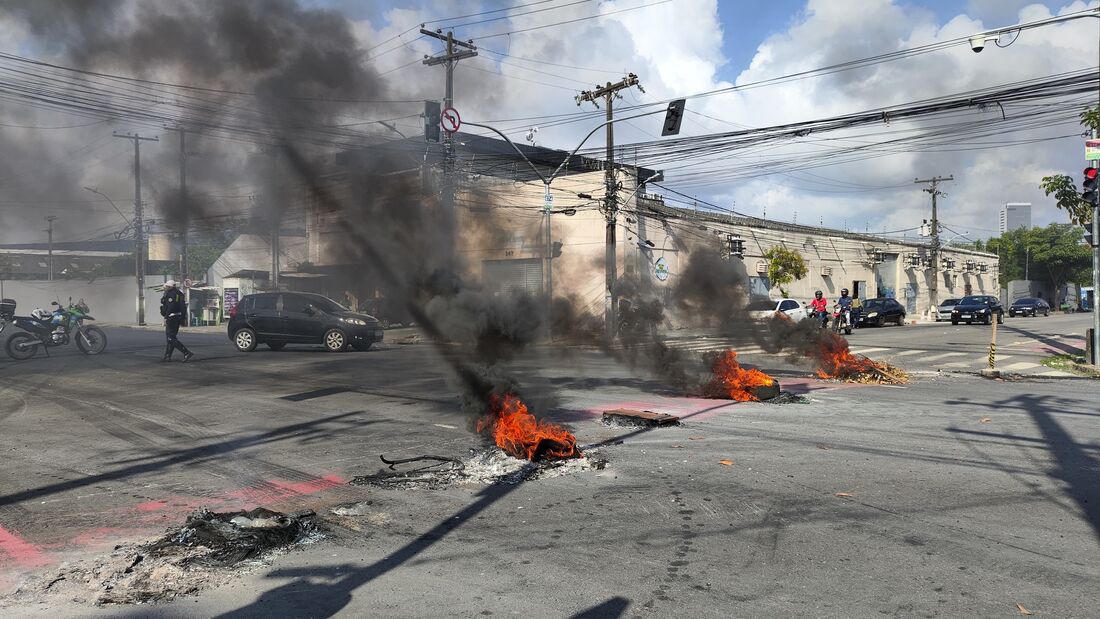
(977,44)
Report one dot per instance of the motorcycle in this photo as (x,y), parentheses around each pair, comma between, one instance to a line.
(842,319)
(59,328)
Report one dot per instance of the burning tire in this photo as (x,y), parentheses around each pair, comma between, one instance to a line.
(245,340)
(335,340)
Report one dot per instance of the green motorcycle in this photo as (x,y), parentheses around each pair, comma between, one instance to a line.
(59,328)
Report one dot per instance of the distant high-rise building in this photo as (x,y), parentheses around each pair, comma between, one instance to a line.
(1015,215)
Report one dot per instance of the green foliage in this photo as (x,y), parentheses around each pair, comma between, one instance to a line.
(1067,197)
(784,267)
(200,257)
(1091,118)
(1054,254)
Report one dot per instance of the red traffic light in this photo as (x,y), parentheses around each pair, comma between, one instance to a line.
(1091,173)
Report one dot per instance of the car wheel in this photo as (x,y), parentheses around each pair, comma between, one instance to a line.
(245,340)
(276,345)
(901,320)
(335,340)
(362,347)
(955,321)
(1000,319)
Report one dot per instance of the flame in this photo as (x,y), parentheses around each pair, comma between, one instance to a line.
(517,432)
(732,381)
(834,360)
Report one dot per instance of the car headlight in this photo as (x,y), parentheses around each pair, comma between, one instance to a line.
(872,314)
(353,321)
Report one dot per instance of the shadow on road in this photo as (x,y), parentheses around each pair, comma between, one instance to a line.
(1074,465)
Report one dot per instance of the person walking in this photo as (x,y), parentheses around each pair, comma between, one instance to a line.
(172,307)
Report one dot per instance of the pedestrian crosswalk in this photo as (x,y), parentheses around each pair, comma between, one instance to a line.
(912,359)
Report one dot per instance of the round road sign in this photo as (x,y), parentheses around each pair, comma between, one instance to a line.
(450,120)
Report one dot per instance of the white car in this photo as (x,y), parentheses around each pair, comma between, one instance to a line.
(762,309)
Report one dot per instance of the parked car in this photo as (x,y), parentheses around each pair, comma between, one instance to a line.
(762,309)
(943,312)
(980,307)
(881,310)
(281,318)
(1029,306)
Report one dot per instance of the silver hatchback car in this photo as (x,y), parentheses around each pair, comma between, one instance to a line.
(943,312)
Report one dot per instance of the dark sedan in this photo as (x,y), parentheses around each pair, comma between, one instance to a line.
(1029,306)
(978,308)
(281,318)
(881,310)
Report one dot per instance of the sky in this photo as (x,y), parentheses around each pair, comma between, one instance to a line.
(528,72)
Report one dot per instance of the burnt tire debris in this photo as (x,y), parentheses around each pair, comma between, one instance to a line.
(484,467)
(206,551)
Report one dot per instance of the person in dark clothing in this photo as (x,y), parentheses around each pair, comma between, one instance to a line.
(173,307)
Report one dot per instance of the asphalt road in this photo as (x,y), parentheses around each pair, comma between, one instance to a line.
(1022,344)
(952,496)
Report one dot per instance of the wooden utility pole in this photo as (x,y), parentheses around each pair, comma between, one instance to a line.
(934,251)
(449,58)
(608,92)
(139,226)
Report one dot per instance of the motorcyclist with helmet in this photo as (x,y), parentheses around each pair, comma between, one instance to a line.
(844,304)
(820,308)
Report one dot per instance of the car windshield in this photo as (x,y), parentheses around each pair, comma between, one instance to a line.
(973,300)
(761,305)
(874,304)
(325,304)
(949,303)
(1024,302)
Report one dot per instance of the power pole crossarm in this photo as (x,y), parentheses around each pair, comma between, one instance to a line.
(139,226)
(934,251)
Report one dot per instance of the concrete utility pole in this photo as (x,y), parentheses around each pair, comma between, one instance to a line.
(49,239)
(449,59)
(185,266)
(934,253)
(1095,272)
(608,92)
(139,226)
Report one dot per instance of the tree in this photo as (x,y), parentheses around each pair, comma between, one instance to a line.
(1053,255)
(784,267)
(1066,195)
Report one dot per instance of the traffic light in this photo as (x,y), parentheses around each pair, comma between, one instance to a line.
(1090,195)
(431,121)
(555,249)
(735,245)
(1088,233)
(673,117)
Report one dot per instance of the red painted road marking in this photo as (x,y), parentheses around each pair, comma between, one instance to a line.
(22,552)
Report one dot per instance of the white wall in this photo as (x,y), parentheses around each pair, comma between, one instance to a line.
(109,299)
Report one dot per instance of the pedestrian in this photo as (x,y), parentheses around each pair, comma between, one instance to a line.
(857,310)
(172,307)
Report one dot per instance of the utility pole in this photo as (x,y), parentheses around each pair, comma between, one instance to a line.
(49,236)
(933,189)
(608,92)
(185,266)
(139,227)
(449,59)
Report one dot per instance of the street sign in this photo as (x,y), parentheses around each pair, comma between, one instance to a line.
(660,270)
(450,120)
(1092,150)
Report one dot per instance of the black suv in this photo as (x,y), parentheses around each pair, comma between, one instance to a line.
(980,307)
(281,318)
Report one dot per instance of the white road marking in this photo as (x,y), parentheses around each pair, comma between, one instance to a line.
(943,356)
(864,351)
(910,352)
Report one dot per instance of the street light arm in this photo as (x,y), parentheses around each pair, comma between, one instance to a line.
(514,147)
(105,197)
(545,180)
